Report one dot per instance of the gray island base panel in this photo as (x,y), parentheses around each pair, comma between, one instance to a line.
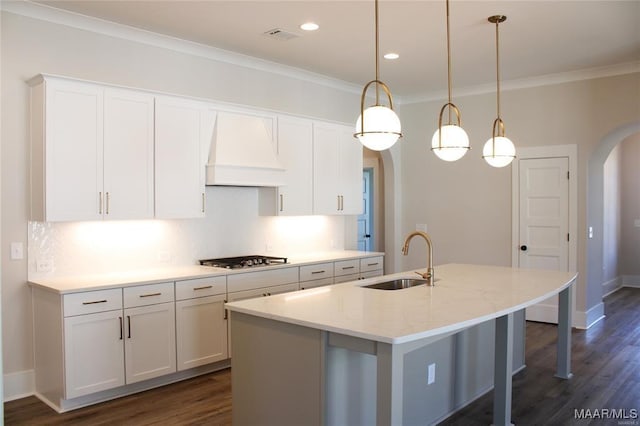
(313,358)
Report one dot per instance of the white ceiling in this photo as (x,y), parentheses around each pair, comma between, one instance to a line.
(539,38)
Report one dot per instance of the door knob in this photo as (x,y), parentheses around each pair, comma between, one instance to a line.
(523,248)
(367,235)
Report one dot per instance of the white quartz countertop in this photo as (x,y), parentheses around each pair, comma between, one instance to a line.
(76,283)
(463,296)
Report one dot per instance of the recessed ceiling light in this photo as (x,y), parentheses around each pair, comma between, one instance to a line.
(309,26)
(391,55)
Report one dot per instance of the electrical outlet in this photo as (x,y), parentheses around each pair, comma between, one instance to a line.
(17,251)
(636,223)
(44,265)
(591,232)
(431,374)
(421,227)
(268,247)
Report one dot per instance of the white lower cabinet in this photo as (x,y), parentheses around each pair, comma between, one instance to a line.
(93,355)
(150,342)
(104,350)
(201,321)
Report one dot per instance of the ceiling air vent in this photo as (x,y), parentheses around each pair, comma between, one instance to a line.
(280,34)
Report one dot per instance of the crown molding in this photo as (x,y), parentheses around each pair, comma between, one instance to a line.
(101,26)
(104,27)
(525,83)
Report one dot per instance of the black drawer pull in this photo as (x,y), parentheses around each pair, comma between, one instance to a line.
(318,272)
(151,295)
(347,267)
(94,302)
(372,264)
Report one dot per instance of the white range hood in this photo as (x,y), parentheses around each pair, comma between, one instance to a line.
(243,152)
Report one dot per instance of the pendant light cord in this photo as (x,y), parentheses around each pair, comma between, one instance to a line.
(377,55)
(498,67)
(448,62)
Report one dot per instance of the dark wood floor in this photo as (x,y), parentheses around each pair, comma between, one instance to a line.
(606,366)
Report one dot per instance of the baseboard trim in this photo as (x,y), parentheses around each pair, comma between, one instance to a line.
(612,286)
(19,385)
(584,320)
(542,313)
(631,281)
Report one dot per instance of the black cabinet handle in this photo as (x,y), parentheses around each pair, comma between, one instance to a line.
(523,248)
(129,326)
(121,326)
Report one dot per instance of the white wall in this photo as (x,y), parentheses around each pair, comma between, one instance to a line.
(630,190)
(29,47)
(612,211)
(467,204)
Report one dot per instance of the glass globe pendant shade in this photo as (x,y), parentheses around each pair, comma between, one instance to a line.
(453,144)
(499,153)
(381,128)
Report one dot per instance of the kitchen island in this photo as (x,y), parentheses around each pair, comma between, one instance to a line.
(285,368)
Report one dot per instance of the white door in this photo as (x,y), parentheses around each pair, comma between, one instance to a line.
(201,326)
(93,353)
(179,173)
(365,219)
(350,172)
(544,223)
(150,342)
(128,155)
(74,135)
(295,151)
(326,199)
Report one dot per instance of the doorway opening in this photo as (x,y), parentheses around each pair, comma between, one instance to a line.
(366,235)
(371,224)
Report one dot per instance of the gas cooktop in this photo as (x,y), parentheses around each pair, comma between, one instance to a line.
(243,261)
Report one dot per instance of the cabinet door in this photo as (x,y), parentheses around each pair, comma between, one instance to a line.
(350,172)
(201,326)
(128,155)
(150,341)
(295,151)
(326,199)
(93,353)
(179,179)
(73,151)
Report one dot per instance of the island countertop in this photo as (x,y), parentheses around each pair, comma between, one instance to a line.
(464,295)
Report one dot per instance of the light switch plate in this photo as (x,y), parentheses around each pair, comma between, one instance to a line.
(636,223)
(17,251)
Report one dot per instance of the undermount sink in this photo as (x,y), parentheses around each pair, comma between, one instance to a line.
(396,284)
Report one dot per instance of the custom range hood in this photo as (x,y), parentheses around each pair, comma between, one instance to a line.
(243,152)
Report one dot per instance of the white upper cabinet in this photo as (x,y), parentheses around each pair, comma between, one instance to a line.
(295,152)
(128,155)
(337,170)
(92,152)
(67,156)
(350,171)
(180,164)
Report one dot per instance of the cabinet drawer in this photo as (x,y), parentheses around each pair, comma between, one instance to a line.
(371,263)
(316,272)
(315,283)
(201,287)
(346,278)
(150,294)
(92,301)
(347,267)
(371,274)
(251,280)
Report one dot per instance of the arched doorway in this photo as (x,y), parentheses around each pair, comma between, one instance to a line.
(595,212)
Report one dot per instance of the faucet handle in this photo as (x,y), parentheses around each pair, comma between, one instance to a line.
(421,274)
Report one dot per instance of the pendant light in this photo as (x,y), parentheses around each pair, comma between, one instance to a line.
(378,126)
(449,142)
(498,151)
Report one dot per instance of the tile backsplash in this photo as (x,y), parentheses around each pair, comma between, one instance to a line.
(232,227)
